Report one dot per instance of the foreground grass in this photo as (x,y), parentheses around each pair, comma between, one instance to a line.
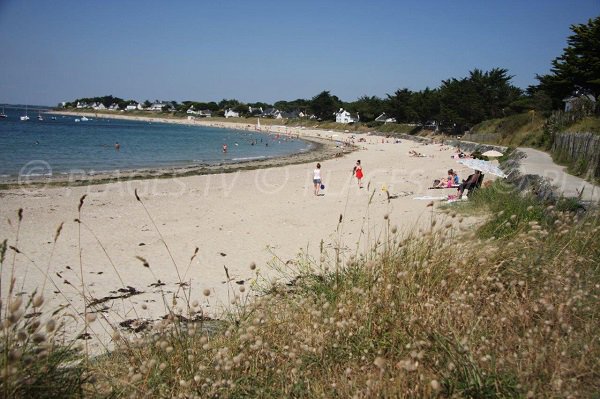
(429,315)
(510,310)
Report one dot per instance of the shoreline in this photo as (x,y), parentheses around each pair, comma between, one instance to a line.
(321,149)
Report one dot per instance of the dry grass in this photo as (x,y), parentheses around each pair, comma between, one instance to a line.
(437,313)
(429,315)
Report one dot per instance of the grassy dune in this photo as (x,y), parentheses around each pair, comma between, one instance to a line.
(509,309)
(513,131)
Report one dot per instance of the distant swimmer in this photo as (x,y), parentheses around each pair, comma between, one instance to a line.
(224,148)
(117,146)
(37,142)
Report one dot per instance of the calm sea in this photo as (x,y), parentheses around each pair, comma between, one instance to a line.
(62,146)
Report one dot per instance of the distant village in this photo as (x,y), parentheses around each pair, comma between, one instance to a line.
(340,116)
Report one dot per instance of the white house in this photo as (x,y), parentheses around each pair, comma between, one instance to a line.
(205,113)
(579,98)
(113,107)
(229,113)
(343,116)
(133,107)
(255,111)
(191,110)
(98,106)
(271,113)
(385,119)
(82,105)
(157,106)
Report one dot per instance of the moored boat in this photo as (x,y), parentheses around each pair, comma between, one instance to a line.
(24,117)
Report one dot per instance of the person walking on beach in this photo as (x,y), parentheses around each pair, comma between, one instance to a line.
(357,171)
(317,178)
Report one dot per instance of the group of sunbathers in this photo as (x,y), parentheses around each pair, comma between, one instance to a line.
(452,181)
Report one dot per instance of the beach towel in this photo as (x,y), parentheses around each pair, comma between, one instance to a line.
(456,199)
(430,198)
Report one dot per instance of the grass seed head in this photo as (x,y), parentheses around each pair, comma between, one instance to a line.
(15,304)
(50,325)
(91,317)
(37,301)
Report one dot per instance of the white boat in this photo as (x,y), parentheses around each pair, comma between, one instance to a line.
(3,115)
(40,118)
(24,117)
(77,120)
(83,119)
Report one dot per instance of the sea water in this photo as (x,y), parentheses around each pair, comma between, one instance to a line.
(63,146)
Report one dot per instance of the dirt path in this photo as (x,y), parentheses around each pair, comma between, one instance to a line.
(540,163)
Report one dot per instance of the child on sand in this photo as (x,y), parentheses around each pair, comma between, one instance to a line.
(357,171)
(317,178)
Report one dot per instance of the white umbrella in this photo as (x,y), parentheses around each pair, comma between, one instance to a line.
(483,166)
(492,154)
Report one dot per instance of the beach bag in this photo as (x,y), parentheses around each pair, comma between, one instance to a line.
(322,187)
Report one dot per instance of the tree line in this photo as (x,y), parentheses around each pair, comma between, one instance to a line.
(456,105)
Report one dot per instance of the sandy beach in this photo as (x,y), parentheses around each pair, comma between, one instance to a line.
(267,216)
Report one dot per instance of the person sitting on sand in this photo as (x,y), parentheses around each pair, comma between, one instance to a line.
(455,179)
(444,183)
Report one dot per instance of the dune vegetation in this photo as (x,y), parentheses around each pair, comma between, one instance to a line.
(507,308)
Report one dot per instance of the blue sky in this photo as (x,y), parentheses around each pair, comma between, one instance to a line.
(270,50)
